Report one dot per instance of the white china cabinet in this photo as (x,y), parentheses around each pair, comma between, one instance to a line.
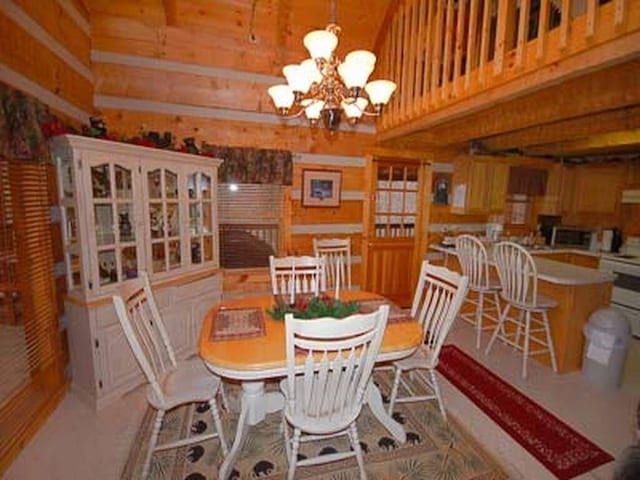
(124,209)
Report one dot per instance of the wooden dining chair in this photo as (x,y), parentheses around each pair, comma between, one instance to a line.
(337,255)
(324,395)
(293,275)
(436,303)
(519,280)
(474,262)
(171,383)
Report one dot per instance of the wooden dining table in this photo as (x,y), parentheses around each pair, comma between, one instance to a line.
(260,355)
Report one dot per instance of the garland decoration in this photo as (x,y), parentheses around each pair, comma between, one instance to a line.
(308,307)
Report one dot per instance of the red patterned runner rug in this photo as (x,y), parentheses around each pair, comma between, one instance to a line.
(553,443)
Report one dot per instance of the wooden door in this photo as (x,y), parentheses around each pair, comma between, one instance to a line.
(394,237)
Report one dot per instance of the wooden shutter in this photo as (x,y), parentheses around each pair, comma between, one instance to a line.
(31,377)
(249,224)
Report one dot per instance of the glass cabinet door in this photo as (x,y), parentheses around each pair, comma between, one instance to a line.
(163,190)
(69,222)
(201,218)
(112,207)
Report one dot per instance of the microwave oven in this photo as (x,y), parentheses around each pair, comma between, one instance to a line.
(577,237)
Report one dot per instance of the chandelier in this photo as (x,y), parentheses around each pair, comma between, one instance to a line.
(324,86)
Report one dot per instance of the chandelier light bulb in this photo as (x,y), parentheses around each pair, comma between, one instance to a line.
(282,97)
(361,57)
(320,43)
(380,91)
(354,110)
(354,74)
(311,69)
(298,77)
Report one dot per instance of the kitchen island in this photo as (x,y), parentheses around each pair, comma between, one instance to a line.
(579,292)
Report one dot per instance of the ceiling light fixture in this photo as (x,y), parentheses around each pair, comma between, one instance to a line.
(324,86)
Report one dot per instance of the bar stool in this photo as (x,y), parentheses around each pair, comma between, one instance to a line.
(473,259)
(519,281)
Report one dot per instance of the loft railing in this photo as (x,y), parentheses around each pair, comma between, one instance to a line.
(440,52)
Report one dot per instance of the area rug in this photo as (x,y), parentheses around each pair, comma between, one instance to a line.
(434,450)
(561,449)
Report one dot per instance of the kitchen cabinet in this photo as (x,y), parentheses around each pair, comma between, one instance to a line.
(479,185)
(126,209)
(596,188)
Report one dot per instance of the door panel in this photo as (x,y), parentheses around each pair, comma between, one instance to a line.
(389,271)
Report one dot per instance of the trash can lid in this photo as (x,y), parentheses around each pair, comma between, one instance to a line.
(611,320)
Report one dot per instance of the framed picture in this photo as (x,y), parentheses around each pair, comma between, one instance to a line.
(321,188)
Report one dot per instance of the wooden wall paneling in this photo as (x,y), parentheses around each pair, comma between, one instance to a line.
(236,133)
(19,49)
(448,51)
(57,22)
(484,41)
(436,59)
(347,212)
(183,88)
(427,58)
(472,57)
(460,44)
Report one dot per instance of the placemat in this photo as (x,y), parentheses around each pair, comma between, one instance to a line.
(396,314)
(234,323)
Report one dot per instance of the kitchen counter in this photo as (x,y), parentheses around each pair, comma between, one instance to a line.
(554,271)
(579,291)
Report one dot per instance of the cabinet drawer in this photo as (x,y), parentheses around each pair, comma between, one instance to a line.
(199,288)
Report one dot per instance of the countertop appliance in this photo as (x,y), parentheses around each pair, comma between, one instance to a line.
(625,295)
(575,237)
(607,238)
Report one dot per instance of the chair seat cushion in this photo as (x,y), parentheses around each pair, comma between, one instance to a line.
(423,357)
(189,382)
(317,426)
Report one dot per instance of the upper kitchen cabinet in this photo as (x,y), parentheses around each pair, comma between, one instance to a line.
(597,188)
(559,193)
(479,185)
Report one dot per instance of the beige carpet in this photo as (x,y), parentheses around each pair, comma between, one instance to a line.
(434,450)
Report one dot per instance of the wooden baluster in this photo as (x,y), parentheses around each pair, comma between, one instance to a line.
(428,51)
(448,46)
(471,43)
(523,32)
(457,64)
(504,33)
(420,58)
(413,61)
(591,18)
(397,62)
(406,60)
(437,52)
(565,22)
(543,25)
(484,42)
(619,12)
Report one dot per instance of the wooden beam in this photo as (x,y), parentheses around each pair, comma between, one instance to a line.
(605,122)
(614,141)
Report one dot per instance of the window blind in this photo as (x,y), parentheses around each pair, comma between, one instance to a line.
(31,349)
(249,219)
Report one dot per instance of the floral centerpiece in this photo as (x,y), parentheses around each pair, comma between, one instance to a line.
(307,306)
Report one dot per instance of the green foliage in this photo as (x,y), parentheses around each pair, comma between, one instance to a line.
(313,307)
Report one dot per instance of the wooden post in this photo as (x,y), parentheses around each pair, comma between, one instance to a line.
(437,53)
(565,23)
(428,52)
(543,25)
(504,33)
(448,46)
(591,18)
(523,32)
(472,51)
(457,65)
(484,42)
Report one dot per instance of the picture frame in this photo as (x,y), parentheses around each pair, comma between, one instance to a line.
(321,188)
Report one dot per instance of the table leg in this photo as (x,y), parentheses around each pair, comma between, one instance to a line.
(255,405)
(374,400)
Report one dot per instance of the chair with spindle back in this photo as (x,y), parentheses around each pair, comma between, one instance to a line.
(436,303)
(473,259)
(519,281)
(293,275)
(171,383)
(337,254)
(325,394)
